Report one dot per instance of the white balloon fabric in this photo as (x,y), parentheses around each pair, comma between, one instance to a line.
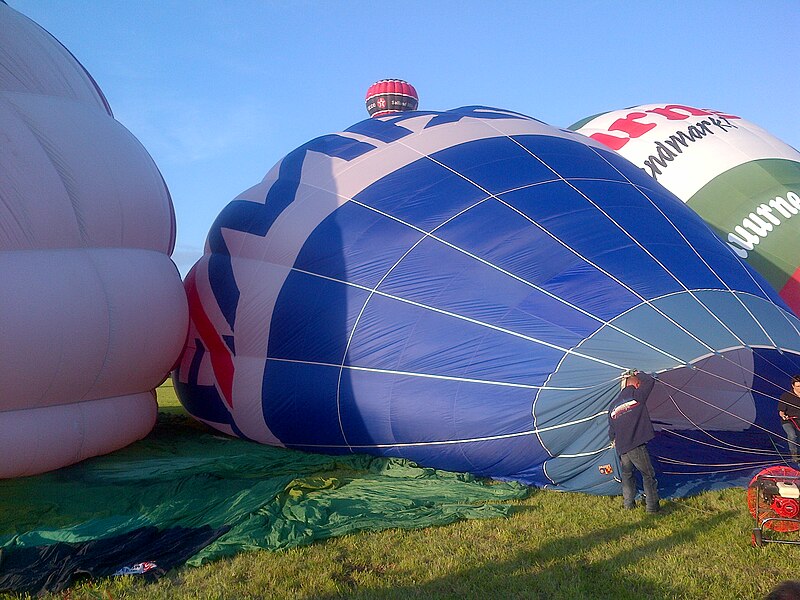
(92,310)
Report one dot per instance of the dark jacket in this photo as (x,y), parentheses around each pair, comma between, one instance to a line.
(629,422)
(789,404)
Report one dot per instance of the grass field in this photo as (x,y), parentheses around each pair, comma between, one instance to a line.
(554,545)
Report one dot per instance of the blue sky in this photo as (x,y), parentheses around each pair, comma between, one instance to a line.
(219,91)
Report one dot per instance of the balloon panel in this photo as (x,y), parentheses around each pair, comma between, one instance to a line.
(72,191)
(742,180)
(35,62)
(39,440)
(465,289)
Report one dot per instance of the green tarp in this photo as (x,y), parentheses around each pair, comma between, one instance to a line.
(184,476)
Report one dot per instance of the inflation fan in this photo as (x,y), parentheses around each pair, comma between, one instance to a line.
(773,497)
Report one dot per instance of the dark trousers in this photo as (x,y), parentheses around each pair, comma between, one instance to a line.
(638,457)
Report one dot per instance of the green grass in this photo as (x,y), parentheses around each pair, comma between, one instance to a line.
(554,546)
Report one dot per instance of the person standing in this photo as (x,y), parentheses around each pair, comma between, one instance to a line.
(630,428)
(789,411)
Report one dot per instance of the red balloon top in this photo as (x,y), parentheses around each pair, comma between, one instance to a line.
(390,96)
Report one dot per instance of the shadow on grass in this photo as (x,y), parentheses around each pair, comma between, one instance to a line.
(559,569)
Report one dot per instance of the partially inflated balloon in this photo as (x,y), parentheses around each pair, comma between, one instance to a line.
(92,311)
(743,181)
(465,289)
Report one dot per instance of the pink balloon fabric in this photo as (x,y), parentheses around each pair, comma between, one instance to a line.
(92,310)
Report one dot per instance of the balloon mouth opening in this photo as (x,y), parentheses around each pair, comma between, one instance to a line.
(716,420)
(712,393)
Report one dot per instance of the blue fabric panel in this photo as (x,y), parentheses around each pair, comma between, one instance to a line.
(397,336)
(508,241)
(380,129)
(356,244)
(423,194)
(782,326)
(669,214)
(436,275)
(618,348)
(510,409)
(695,312)
(567,419)
(498,235)
(738,276)
(735,273)
(572,218)
(311,321)
(495,164)
(385,408)
(730,310)
(692,317)
(299,404)
(511,458)
(582,474)
(481,112)
(647,227)
(589,288)
(570,158)
(578,374)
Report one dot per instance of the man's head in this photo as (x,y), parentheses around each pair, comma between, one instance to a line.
(787,590)
(796,385)
(633,380)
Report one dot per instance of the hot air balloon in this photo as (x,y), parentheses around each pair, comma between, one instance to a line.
(389,96)
(92,310)
(743,181)
(465,289)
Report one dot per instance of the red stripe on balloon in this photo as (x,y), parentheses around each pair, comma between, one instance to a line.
(221,358)
(790,292)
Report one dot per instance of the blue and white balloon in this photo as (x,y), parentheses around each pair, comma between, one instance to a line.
(465,289)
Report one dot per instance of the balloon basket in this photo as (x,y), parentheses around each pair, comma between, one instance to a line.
(773,497)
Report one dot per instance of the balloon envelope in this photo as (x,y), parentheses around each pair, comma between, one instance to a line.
(742,180)
(465,289)
(92,310)
(389,96)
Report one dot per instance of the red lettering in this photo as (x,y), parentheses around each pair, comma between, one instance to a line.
(612,141)
(671,112)
(630,126)
(633,128)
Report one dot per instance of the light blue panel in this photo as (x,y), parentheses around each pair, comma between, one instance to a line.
(730,311)
(781,325)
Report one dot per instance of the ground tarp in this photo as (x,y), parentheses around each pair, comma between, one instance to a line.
(185,494)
